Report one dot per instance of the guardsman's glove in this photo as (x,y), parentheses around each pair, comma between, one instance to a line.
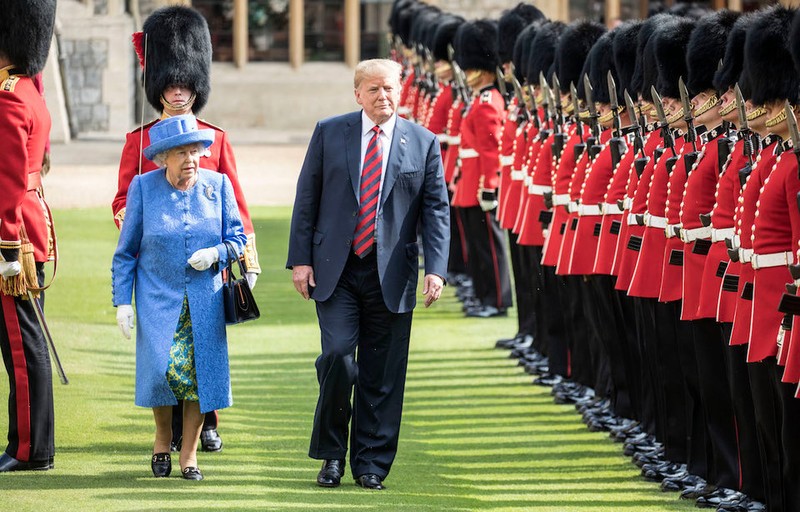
(125,319)
(487,198)
(202,259)
(10,269)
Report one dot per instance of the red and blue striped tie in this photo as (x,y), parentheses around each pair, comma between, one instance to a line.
(369,195)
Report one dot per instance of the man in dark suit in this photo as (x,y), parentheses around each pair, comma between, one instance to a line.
(369,183)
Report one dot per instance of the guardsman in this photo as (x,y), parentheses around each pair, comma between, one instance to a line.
(27,239)
(776,224)
(177,72)
(509,29)
(476,191)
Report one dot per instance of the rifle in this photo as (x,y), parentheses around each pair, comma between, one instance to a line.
(560,138)
(748,147)
(431,73)
(638,141)
(522,104)
(534,107)
(545,96)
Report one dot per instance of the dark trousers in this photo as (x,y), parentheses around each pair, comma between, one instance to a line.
(651,403)
(550,327)
(595,344)
(363,345)
(751,478)
(631,354)
(577,331)
(30,398)
(715,393)
(766,403)
(487,263)
(526,283)
(210,421)
(457,261)
(790,441)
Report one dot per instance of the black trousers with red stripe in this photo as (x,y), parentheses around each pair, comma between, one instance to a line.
(487,264)
(457,262)
(30,398)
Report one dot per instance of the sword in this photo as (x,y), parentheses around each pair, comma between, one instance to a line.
(691,134)
(37,308)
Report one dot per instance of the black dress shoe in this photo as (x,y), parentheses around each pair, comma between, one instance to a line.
(485,312)
(508,343)
(161,464)
(191,473)
(746,504)
(9,463)
(210,440)
(331,473)
(718,497)
(682,482)
(370,481)
(692,493)
(548,380)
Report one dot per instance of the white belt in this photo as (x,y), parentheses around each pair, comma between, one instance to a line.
(455,140)
(627,203)
(539,190)
(443,138)
(654,221)
(745,255)
(719,235)
(517,175)
(775,259)
(611,208)
(589,209)
(572,206)
(669,231)
(560,199)
(632,219)
(527,180)
(506,160)
(736,241)
(467,153)
(690,235)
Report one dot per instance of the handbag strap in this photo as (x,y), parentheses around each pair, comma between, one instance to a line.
(231,257)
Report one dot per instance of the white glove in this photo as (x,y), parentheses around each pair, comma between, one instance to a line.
(9,268)
(487,199)
(203,259)
(125,319)
(251,277)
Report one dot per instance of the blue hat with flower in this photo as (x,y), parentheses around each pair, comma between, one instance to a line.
(176,131)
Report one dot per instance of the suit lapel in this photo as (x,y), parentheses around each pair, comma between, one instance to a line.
(397,152)
(352,140)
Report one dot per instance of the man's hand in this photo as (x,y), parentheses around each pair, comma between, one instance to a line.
(303,278)
(432,289)
(9,268)
(125,319)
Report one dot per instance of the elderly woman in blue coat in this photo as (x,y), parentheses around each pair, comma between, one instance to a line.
(177,222)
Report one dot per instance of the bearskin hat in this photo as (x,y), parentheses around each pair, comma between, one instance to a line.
(404,21)
(733,60)
(707,48)
(178,52)
(624,49)
(794,40)
(645,73)
(511,24)
(394,16)
(444,36)
(767,54)
(671,42)
(420,22)
(573,48)
(522,50)
(543,50)
(598,63)
(477,45)
(26,30)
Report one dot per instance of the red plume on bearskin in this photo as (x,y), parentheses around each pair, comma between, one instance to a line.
(138,45)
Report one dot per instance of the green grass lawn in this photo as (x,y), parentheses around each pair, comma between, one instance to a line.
(476,435)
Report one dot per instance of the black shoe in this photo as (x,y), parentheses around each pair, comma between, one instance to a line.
(548,380)
(210,440)
(508,343)
(692,493)
(743,505)
(716,498)
(191,473)
(370,481)
(657,472)
(9,463)
(331,473)
(161,464)
(485,312)
(681,483)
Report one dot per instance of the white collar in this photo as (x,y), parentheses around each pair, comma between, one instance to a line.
(387,128)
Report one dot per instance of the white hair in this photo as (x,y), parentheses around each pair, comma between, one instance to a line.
(161,158)
(377,67)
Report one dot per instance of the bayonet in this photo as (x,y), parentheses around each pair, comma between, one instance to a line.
(534,106)
(522,104)
(557,100)
(612,94)
(691,134)
(545,96)
(501,83)
(791,120)
(744,128)
(573,92)
(638,143)
(589,92)
(666,133)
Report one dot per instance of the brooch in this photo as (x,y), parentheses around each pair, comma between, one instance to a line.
(210,192)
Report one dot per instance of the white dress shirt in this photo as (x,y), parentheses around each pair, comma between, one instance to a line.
(384,139)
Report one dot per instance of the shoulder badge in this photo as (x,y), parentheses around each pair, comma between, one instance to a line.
(9,83)
(486,96)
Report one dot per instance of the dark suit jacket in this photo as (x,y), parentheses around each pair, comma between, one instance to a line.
(326,208)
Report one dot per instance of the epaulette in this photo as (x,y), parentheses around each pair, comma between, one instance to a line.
(144,126)
(486,96)
(9,83)
(210,125)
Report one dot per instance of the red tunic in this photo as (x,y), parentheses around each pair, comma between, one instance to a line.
(450,159)
(568,240)
(672,267)
(438,116)
(524,193)
(480,147)
(507,141)
(612,220)
(408,95)
(511,198)
(24,133)
(530,232)
(560,180)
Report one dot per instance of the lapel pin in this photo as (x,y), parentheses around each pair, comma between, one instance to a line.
(210,192)
(402,140)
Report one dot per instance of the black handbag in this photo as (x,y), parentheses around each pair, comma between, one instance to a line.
(240,306)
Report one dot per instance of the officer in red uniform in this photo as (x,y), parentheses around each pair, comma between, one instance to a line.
(476,191)
(26,236)
(178,82)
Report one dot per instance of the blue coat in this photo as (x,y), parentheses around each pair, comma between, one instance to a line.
(414,196)
(163,227)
